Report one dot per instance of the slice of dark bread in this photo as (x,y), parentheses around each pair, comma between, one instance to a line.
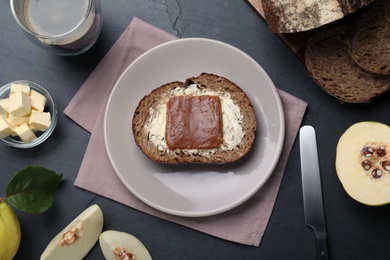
(369,42)
(331,66)
(290,16)
(151,105)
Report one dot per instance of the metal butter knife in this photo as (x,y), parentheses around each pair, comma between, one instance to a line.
(312,192)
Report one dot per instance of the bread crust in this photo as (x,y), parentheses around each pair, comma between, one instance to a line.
(210,82)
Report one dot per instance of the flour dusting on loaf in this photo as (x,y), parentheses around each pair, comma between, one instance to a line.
(289,16)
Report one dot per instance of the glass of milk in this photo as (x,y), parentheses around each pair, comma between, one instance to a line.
(63,27)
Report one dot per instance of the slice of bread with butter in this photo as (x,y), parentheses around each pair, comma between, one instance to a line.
(182,122)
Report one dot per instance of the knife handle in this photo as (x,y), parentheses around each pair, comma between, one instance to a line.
(322,249)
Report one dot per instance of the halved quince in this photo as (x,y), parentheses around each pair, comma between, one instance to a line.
(78,238)
(117,245)
(363,162)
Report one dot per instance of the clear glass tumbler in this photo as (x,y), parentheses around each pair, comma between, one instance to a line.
(62,27)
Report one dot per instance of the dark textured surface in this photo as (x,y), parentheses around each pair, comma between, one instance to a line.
(355,231)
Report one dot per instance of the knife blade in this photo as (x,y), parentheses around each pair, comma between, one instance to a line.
(312,192)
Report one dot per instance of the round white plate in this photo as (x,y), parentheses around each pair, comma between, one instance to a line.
(193,190)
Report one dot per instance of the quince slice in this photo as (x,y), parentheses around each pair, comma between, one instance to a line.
(78,238)
(363,162)
(118,245)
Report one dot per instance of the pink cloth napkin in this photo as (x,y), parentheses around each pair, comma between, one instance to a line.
(245,224)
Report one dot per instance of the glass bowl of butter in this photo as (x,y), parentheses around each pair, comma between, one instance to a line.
(28,114)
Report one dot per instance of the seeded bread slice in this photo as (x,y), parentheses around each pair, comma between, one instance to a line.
(369,43)
(160,96)
(331,66)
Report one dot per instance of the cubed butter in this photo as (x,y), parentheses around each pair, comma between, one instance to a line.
(38,101)
(4,103)
(20,87)
(5,128)
(22,113)
(19,104)
(4,106)
(17,120)
(39,120)
(12,126)
(25,133)
(3,113)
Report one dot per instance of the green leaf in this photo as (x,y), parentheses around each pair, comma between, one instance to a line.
(32,189)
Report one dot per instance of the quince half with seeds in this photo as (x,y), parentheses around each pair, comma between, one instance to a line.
(78,238)
(121,245)
(363,162)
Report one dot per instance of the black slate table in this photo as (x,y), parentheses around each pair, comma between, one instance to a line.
(355,231)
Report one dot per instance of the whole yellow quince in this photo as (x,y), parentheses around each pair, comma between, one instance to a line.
(9,232)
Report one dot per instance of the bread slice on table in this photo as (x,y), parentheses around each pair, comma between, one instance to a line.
(290,16)
(331,66)
(369,42)
(151,112)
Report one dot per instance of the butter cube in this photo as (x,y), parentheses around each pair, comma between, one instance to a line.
(39,120)
(38,101)
(5,128)
(17,120)
(4,103)
(19,103)
(25,133)
(20,87)
(12,126)
(3,113)
(4,107)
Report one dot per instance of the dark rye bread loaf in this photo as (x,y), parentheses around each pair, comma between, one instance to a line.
(157,99)
(331,66)
(369,42)
(290,16)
